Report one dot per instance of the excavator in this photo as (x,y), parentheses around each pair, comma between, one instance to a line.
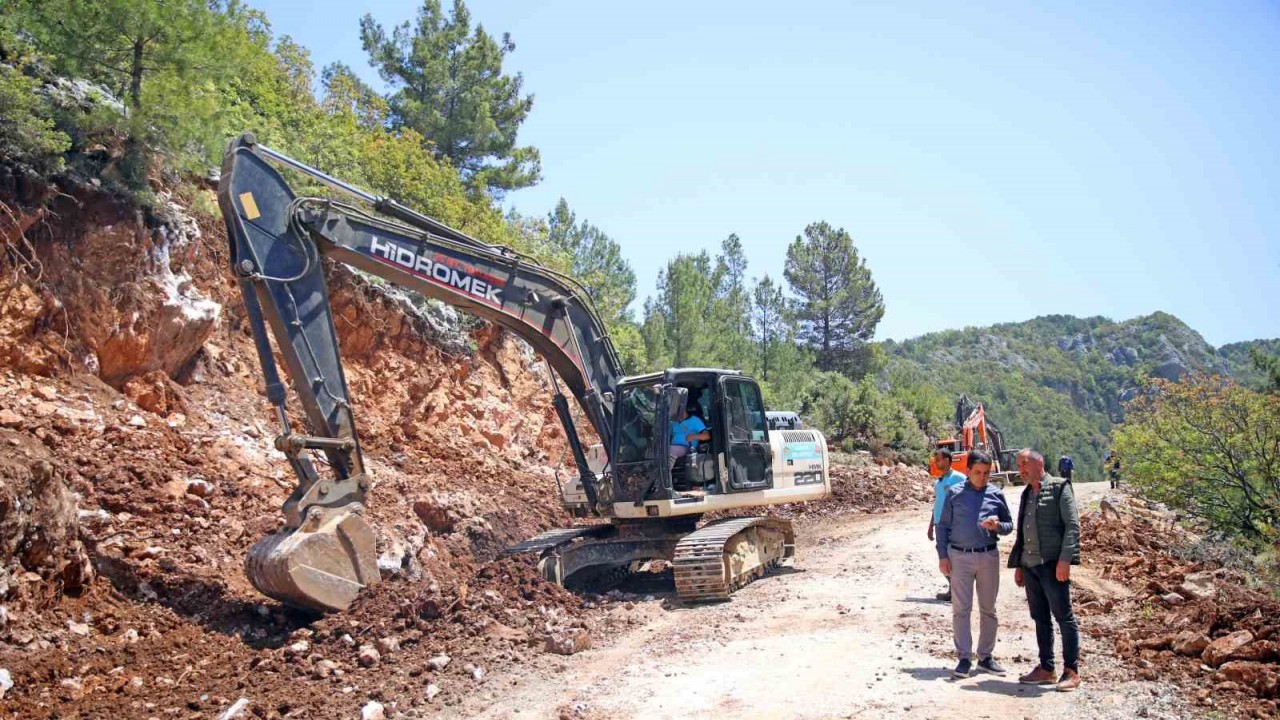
(643,506)
(977,432)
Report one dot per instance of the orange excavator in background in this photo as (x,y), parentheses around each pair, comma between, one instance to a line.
(977,432)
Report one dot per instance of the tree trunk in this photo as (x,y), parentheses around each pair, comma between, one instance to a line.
(135,75)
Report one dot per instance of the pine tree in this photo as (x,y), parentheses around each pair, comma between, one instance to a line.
(685,292)
(730,320)
(452,90)
(840,304)
(769,326)
(595,260)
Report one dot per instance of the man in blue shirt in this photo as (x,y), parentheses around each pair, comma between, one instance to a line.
(973,516)
(685,435)
(942,459)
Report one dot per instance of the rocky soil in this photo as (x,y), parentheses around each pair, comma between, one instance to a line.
(1187,618)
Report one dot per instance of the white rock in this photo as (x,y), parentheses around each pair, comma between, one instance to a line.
(432,691)
(93,517)
(236,710)
(368,656)
(1199,586)
(130,636)
(4,616)
(137,421)
(6,682)
(77,628)
(439,662)
(299,648)
(373,710)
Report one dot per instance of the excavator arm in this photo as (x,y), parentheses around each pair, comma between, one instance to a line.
(325,553)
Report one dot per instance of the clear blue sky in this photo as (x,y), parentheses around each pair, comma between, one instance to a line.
(992,162)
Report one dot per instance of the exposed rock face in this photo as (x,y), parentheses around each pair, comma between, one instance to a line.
(107,298)
(1172,370)
(39,533)
(1123,356)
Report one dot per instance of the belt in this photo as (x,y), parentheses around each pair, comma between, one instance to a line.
(988,548)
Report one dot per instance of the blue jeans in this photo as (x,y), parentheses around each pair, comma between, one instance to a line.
(1050,599)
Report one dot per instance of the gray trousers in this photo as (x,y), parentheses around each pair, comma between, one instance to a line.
(968,569)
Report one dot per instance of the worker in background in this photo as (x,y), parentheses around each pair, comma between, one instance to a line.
(947,476)
(974,515)
(1115,471)
(1045,547)
(1065,466)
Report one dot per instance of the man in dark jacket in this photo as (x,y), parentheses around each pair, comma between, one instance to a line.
(1045,547)
(1065,466)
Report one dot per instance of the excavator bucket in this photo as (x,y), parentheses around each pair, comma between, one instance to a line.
(320,566)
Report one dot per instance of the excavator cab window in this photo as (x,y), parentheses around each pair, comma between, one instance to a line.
(750,459)
(637,412)
(637,442)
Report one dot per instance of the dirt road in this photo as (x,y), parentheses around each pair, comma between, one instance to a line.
(852,630)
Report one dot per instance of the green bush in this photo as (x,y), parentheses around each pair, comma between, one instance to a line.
(27,132)
(1208,447)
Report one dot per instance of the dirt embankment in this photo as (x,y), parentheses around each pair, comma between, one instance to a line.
(137,469)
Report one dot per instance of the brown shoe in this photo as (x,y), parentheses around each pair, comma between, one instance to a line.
(1069,681)
(1039,676)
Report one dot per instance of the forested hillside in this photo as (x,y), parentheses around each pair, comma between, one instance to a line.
(1059,382)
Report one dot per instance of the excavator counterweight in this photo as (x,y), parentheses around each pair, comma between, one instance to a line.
(325,553)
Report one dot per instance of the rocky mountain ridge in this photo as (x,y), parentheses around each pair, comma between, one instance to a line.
(1059,382)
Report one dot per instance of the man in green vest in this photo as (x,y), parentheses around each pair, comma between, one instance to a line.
(1045,547)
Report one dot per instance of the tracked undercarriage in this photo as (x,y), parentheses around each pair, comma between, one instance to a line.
(709,563)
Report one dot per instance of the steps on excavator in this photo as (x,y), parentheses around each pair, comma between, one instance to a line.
(553,538)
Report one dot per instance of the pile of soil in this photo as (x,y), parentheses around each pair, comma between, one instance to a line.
(1194,622)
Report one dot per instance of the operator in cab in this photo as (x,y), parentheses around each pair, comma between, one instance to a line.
(686,433)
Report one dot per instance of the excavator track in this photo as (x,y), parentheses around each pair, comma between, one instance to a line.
(722,556)
(553,538)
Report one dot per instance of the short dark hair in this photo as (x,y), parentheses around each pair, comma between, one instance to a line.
(977,457)
(944,452)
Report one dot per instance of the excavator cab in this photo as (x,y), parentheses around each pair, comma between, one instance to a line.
(737,458)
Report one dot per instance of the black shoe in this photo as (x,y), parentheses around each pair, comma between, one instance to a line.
(989,665)
(962,669)
(944,596)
